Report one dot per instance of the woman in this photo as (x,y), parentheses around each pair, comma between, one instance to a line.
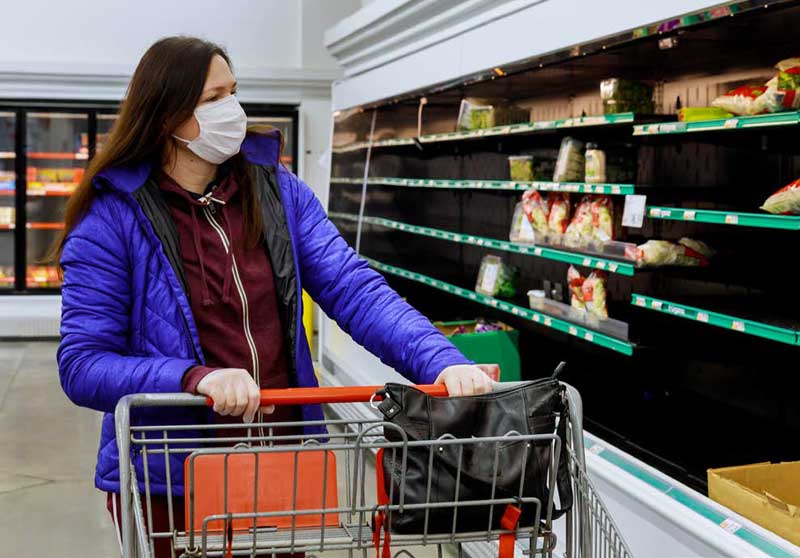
(185,250)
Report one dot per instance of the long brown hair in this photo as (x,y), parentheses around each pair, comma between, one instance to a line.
(163,93)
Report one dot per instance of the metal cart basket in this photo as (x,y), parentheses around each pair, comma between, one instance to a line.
(303,487)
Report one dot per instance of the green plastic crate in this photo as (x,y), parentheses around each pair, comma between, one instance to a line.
(490,347)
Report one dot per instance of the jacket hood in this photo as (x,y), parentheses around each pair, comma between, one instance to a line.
(261,148)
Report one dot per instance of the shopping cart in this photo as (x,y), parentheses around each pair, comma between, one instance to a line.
(274,489)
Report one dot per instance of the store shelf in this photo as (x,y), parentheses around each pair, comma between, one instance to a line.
(45,226)
(507,130)
(761,220)
(724,321)
(573,187)
(545,320)
(58,156)
(593,262)
(735,123)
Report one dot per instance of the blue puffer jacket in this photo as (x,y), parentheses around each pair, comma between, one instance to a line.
(127,325)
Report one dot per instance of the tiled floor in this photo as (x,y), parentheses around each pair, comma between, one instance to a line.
(48,503)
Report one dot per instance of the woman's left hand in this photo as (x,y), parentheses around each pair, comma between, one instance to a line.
(465,379)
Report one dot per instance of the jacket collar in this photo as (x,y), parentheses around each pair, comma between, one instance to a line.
(262,148)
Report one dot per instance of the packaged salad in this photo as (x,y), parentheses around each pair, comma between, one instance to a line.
(603,219)
(785,201)
(496,278)
(570,164)
(783,91)
(575,281)
(537,210)
(594,294)
(579,230)
(558,219)
(521,229)
(744,101)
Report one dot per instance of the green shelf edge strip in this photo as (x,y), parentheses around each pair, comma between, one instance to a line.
(573,187)
(506,130)
(734,123)
(593,262)
(724,321)
(685,498)
(563,326)
(761,220)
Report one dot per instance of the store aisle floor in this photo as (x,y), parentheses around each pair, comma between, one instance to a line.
(48,503)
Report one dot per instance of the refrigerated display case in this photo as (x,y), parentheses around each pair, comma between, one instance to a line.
(44,150)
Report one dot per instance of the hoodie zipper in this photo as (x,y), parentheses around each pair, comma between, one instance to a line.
(209,213)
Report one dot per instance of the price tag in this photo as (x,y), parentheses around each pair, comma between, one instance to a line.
(537,252)
(656,305)
(612,268)
(616,190)
(588,336)
(676,310)
(473,296)
(672,127)
(731,219)
(573,330)
(548,322)
(731,123)
(641,302)
(730,525)
(738,326)
(587,262)
(666,213)
(702,317)
(514,311)
(689,215)
(537,318)
(601,265)
(633,214)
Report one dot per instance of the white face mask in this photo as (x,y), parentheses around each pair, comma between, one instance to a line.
(223,125)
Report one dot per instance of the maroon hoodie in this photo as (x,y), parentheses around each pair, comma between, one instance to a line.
(231,291)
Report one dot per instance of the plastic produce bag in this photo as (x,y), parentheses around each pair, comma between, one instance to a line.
(603,219)
(537,210)
(579,230)
(473,115)
(594,294)
(575,281)
(496,278)
(744,101)
(785,201)
(687,253)
(558,219)
(570,164)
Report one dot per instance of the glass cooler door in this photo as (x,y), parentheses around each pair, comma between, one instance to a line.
(7,199)
(57,152)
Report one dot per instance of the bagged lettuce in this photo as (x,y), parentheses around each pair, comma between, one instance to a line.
(537,210)
(558,219)
(579,230)
(521,230)
(783,91)
(744,101)
(603,219)
(575,281)
(570,164)
(594,294)
(496,278)
(686,252)
(785,201)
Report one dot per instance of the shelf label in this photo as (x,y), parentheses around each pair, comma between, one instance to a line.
(616,190)
(730,525)
(702,317)
(633,214)
(587,262)
(669,127)
(600,265)
(548,322)
(588,336)
(656,305)
(731,219)
(689,215)
(612,268)
(677,310)
(641,302)
(573,330)
(738,326)
(537,318)
(537,252)
(731,123)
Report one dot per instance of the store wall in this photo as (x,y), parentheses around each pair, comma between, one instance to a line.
(87,49)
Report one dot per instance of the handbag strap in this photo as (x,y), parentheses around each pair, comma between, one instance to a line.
(563,481)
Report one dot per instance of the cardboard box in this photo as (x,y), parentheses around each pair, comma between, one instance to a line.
(490,347)
(766,493)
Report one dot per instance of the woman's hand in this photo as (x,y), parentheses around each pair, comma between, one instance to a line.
(234,392)
(465,379)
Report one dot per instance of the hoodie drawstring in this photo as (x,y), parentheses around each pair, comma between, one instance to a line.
(198,248)
(226,283)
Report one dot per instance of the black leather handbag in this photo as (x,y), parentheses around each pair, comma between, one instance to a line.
(534,408)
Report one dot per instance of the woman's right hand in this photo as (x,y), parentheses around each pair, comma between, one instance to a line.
(234,392)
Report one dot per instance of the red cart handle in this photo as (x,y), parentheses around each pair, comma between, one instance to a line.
(344,394)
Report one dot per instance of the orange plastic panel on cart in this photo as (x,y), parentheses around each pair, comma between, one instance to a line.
(275,488)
